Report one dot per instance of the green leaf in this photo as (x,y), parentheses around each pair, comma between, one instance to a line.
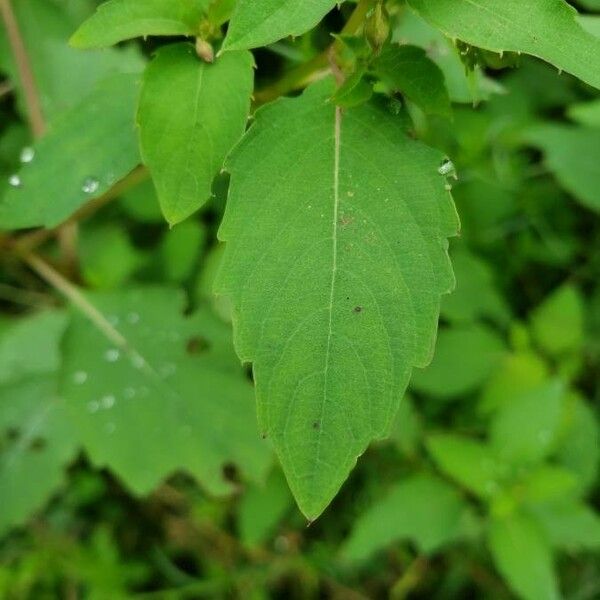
(570,525)
(422,509)
(261,509)
(64,76)
(557,324)
(17,360)
(408,69)
(119,20)
(471,463)
(523,557)
(517,373)
(524,430)
(39,445)
(464,358)
(107,257)
(586,113)
(190,115)
(86,151)
(572,154)
(463,86)
(260,22)
(36,441)
(475,295)
(336,260)
(548,29)
(407,429)
(175,390)
(579,449)
(180,250)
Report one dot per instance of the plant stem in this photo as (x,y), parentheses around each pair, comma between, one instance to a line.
(32,99)
(316,67)
(65,287)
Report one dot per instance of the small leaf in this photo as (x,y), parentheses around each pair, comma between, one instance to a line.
(571,525)
(37,441)
(88,150)
(262,507)
(335,262)
(471,463)
(407,69)
(176,391)
(548,29)
(190,115)
(523,556)
(558,323)
(572,154)
(40,443)
(524,430)
(261,22)
(464,359)
(42,330)
(422,509)
(119,20)
(476,295)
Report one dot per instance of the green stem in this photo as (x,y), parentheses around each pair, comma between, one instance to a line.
(302,75)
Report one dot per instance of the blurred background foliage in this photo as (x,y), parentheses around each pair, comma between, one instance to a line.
(488,485)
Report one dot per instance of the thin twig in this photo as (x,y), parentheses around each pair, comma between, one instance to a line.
(32,98)
(308,72)
(72,293)
(6,87)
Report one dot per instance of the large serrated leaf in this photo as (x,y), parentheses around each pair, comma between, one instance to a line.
(176,390)
(336,261)
(190,115)
(119,20)
(36,438)
(85,152)
(547,29)
(260,22)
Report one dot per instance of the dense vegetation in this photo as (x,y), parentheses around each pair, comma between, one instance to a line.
(213,208)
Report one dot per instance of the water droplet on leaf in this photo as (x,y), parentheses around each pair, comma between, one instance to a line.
(15,181)
(90,185)
(27,155)
(112,355)
(80,377)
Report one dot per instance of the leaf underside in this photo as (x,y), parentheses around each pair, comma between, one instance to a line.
(547,29)
(337,227)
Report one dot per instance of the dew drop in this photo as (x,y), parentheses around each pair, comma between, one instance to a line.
(108,402)
(80,377)
(27,155)
(113,320)
(15,181)
(129,393)
(112,355)
(544,436)
(133,318)
(447,168)
(168,369)
(110,428)
(93,406)
(90,185)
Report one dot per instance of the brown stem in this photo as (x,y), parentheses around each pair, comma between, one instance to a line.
(65,287)
(32,98)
